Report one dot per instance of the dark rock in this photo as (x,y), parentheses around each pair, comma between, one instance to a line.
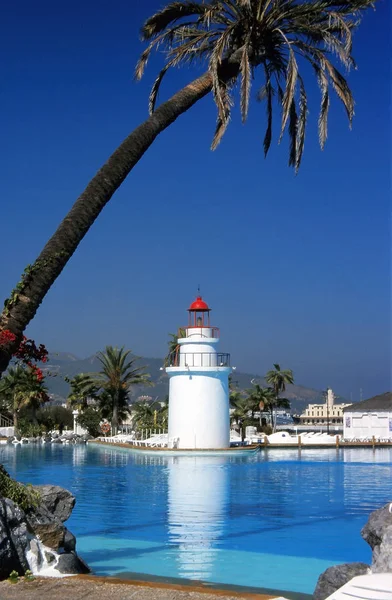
(10,439)
(56,441)
(69,543)
(50,534)
(335,577)
(46,525)
(21,531)
(25,441)
(71,564)
(58,501)
(13,539)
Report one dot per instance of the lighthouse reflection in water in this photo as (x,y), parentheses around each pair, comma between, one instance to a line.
(198,496)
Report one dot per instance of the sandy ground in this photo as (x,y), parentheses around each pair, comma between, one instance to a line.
(99,588)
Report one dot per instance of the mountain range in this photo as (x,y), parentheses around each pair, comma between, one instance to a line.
(64,364)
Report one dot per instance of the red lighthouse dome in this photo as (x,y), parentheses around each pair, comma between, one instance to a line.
(199,313)
(199,305)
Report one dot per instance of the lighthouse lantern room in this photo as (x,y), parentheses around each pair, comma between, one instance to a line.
(199,385)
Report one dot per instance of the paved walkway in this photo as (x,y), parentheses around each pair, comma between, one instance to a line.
(99,588)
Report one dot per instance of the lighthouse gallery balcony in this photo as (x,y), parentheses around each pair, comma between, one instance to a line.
(199,359)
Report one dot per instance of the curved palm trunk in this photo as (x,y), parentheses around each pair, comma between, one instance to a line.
(15,418)
(34,419)
(115,414)
(61,246)
(272,419)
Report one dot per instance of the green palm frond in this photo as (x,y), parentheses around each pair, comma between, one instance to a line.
(20,388)
(82,387)
(278,378)
(114,382)
(119,369)
(233,38)
(170,14)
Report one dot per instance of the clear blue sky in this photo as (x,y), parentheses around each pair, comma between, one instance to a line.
(296,268)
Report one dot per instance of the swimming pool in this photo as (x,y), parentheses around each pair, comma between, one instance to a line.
(274,520)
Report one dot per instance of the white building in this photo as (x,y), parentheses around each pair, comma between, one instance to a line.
(372,417)
(199,385)
(327,413)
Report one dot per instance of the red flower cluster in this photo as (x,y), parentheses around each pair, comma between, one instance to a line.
(36,371)
(6,337)
(27,352)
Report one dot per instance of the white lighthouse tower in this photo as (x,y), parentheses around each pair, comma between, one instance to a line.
(199,385)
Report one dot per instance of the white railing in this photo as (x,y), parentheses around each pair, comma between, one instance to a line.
(5,421)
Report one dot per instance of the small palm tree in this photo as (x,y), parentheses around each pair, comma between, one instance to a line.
(174,347)
(234,40)
(278,379)
(261,399)
(21,389)
(143,415)
(119,372)
(163,412)
(82,389)
(242,410)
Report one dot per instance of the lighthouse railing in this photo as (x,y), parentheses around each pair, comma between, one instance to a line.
(203,330)
(199,359)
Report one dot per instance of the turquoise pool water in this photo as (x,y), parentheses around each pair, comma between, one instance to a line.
(274,520)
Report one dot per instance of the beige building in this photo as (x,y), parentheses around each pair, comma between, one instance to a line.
(328,413)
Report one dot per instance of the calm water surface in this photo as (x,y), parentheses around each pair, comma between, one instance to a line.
(274,520)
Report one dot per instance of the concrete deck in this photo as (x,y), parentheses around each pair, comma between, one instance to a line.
(87,587)
(244,449)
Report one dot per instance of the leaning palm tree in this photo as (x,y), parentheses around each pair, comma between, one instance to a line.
(119,372)
(278,379)
(232,40)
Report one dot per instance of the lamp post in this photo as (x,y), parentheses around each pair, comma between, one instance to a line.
(327,403)
(327,416)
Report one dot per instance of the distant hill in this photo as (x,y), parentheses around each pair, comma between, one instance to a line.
(64,364)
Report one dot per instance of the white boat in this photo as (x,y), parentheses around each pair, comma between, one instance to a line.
(304,439)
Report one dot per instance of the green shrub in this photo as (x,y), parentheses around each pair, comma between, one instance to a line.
(55,417)
(23,495)
(29,429)
(13,577)
(90,419)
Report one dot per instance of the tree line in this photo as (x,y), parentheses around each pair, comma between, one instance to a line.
(105,397)
(258,399)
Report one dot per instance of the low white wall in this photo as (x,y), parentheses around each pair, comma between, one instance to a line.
(366,424)
(7,431)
